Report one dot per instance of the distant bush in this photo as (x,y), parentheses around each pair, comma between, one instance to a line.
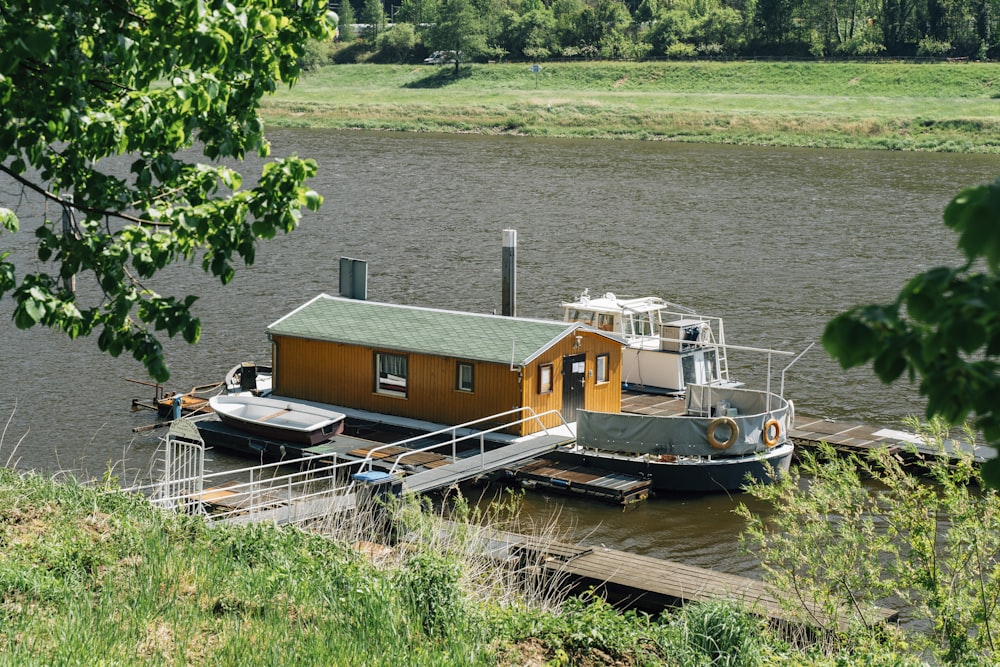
(933,48)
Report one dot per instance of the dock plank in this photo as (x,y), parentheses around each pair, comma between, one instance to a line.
(667,582)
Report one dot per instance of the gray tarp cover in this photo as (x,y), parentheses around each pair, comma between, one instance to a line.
(685,435)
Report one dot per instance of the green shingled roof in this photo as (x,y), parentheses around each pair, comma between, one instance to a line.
(422,330)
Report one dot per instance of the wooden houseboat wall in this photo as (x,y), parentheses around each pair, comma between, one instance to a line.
(344,374)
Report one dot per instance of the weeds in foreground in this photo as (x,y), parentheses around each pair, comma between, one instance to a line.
(851,533)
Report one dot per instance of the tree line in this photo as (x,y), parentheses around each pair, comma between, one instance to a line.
(640,29)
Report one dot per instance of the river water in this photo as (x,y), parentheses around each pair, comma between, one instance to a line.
(775,241)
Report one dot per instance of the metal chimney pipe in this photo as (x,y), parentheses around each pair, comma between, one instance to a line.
(509,273)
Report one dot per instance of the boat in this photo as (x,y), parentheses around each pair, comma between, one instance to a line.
(666,346)
(190,402)
(249,377)
(697,430)
(278,418)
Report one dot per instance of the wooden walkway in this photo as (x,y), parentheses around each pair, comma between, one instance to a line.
(653,584)
(483,465)
(581,480)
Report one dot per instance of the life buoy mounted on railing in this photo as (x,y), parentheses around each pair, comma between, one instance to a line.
(769,426)
(734,432)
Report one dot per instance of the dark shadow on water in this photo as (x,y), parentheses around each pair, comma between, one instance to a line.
(442,76)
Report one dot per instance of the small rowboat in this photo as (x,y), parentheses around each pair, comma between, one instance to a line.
(278,418)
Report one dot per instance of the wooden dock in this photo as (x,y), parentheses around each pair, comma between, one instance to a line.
(653,584)
(581,480)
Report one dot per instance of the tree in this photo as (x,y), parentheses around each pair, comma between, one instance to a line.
(459,30)
(397,43)
(373,18)
(345,24)
(944,326)
(91,89)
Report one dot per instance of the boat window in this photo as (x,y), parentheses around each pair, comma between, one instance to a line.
(711,367)
(647,325)
(606,322)
(463,377)
(390,374)
(602,368)
(545,379)
(585,316)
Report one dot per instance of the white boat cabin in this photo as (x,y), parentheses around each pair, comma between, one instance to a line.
(666,346)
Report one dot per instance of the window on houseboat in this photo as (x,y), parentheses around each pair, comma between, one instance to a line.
(606,322)
(545,379)
(602,368)
(390,373)
(463,379)
(585,316)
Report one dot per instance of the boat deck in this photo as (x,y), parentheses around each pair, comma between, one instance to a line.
(808,431)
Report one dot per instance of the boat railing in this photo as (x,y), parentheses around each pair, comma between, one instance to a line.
(455,438)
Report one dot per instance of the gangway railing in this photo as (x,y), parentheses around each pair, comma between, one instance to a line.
(265,489)
(455,438)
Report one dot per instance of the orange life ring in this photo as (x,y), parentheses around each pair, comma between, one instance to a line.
(769,425)
(734,432)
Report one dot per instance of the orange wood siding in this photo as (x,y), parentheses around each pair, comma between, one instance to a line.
(344,375)
(604,397)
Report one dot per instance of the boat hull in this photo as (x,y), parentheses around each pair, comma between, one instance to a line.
(670,474)
(278,419)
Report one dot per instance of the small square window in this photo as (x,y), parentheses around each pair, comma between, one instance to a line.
(390,374)
(464,377)
(545,379)
(602,368)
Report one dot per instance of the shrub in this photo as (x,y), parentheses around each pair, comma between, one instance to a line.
(849,533)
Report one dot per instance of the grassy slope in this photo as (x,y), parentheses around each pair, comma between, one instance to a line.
(944,107)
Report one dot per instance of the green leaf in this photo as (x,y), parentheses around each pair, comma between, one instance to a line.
(849,340)
(8,220)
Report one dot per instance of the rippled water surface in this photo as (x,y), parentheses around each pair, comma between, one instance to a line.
(776,241)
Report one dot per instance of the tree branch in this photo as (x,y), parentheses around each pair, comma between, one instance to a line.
(86,209)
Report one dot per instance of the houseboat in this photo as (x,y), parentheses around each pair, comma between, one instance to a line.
(705,432)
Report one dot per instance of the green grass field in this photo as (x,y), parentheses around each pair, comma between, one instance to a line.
(931,107)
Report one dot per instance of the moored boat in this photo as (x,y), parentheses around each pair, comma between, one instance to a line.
(249,377)
(722,438)
(666,346)
(278,418)
(716,434)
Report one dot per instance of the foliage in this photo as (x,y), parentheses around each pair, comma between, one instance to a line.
(460,29)
(87,571)
(397,43)
(120,87)
(345,24)
(848,534)
(723,635)
(315,54)
(429,583)
(933,48)
(372,17)
(943,327)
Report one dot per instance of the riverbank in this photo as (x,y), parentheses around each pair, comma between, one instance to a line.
(89,571)
(950,107)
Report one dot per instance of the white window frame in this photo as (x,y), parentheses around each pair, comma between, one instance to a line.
(460,385)
(391,374)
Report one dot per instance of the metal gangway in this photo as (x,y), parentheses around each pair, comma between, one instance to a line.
(321,487)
